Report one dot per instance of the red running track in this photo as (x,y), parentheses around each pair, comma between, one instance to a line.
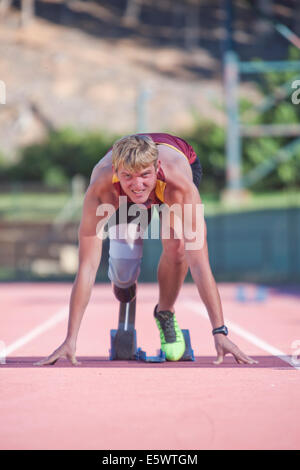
(127,405)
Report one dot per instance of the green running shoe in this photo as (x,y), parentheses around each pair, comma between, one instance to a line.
(171,337)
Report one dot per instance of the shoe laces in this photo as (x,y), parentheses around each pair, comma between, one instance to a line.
(166,320)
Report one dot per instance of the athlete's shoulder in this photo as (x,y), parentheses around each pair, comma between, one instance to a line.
(100,186)
(176,168)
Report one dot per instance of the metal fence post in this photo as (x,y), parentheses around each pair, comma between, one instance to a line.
(233,143)
(143,97)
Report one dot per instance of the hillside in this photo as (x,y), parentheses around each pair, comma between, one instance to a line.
(79,64)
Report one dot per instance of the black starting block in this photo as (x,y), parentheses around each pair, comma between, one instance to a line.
(123,341)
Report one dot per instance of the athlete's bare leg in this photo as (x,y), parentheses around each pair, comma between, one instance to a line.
(172,270)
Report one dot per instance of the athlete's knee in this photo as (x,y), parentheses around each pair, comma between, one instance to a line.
(124,262)
(123,272)
(124,275)
(174,250)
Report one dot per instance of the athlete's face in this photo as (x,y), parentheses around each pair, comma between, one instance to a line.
(138,185)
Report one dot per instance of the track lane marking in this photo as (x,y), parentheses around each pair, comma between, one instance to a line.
(192,305)
(37,331)
(250,337)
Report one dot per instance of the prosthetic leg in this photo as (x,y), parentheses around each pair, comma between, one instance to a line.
(123,340)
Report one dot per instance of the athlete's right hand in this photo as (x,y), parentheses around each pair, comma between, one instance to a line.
(66,351)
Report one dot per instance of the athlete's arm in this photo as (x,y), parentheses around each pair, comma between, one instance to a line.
(90,250)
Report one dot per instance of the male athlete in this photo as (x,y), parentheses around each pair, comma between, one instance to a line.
(148,169)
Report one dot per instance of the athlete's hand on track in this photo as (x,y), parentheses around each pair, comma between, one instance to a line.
(225,346)
(66,351)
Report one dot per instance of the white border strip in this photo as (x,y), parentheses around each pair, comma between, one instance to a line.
(201,310)
(126,316)
(47,325)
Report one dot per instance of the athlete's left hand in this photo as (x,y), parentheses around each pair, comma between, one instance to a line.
(225,346)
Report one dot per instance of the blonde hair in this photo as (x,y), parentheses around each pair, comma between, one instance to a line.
(134,152)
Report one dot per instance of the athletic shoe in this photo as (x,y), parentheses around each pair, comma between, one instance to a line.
(171,337)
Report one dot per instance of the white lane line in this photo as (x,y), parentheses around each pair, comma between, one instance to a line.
(201,310)
(47,325)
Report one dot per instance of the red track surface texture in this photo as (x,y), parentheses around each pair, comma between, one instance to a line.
(127,405)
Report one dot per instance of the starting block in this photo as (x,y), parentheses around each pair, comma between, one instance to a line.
(161,356)
(188,353)
(123,345)
(123,341)
(142,356)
